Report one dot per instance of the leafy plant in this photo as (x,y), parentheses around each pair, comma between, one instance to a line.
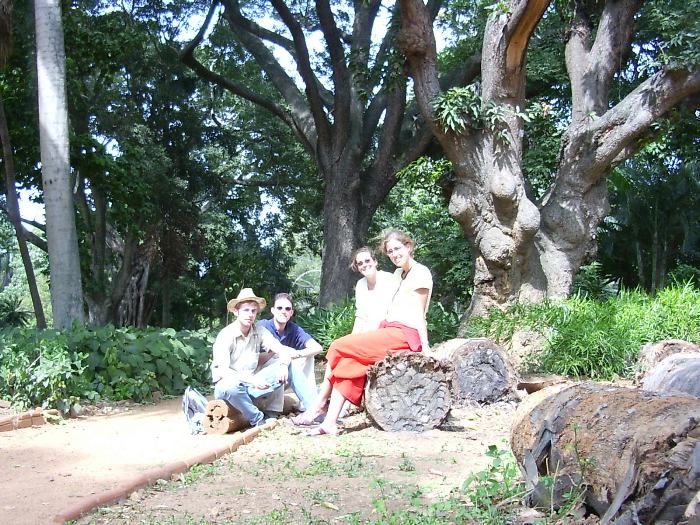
(57,368)
(326,325)
(12,312)
(598,339)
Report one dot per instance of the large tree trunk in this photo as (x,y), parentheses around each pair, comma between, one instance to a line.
(64,262)
(524,252)
(633,455)
(15,219)
(349,121)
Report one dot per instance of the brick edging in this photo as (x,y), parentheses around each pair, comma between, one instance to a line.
(30,418)
(89,503)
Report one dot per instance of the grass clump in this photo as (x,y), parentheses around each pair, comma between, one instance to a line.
(598,339)
(488,497)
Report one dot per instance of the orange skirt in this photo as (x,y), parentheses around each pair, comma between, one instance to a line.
(349,358)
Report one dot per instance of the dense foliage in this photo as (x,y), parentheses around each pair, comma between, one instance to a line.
(58,368)
(598,339)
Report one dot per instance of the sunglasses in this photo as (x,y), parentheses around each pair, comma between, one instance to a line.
(285,308)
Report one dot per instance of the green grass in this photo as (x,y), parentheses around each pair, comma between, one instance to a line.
(598,339)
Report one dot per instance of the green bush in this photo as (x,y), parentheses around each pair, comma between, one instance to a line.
(326,325)
(598,339)
(12,312)
(442,323)
(57,368)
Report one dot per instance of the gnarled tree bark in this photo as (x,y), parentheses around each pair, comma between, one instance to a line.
(527,251)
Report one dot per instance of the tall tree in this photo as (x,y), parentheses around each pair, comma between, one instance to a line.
(64,262)
(525,250)
(346,104)
(8,163)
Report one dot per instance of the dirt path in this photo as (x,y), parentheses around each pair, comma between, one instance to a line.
(283,477)
(46,469)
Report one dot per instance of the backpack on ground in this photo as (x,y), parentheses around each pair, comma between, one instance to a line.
(194,405)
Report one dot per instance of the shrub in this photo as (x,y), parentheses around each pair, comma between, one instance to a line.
(598,339)
(326,325)
(12,312)
(57,368)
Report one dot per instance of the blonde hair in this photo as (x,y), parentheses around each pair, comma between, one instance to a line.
(398,235)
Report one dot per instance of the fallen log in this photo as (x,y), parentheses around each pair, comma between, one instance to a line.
(677,374)
(652,354)
(221,418)
(483,370)
(632,455)
(408,391)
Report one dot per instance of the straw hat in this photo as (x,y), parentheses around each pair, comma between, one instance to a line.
(246,294)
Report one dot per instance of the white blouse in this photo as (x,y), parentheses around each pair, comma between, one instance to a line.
(371,305)
(406,308)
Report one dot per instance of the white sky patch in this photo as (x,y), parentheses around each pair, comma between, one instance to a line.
(30,210)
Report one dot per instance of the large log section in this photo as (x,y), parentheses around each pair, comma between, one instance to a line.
(677,374)
(483,370)
(634,454)
(408,391)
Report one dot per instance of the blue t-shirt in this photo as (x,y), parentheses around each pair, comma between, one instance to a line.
(293,336)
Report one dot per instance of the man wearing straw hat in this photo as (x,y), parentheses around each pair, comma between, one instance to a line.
(242,369)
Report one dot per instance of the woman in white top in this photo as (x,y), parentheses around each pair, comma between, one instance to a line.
(404,328)
(373,293)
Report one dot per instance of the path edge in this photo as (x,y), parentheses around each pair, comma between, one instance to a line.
(89,503)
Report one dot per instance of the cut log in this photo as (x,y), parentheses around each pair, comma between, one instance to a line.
(221,418)
(632,454)
(483,370)
(652,354)
(677,374)
(408,391)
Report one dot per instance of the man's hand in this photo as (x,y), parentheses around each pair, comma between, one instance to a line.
(283,373)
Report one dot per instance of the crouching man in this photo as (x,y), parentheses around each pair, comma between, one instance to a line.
(249,366)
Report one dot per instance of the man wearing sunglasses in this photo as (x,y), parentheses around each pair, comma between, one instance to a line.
(301,369)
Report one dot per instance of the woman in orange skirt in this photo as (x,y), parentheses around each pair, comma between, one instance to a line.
(404,329)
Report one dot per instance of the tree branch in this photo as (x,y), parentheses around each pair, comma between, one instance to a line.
(622,125)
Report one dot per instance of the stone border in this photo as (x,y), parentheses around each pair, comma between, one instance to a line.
(90,503)
(30,418)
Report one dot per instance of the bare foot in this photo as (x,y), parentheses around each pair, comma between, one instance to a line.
(307,418)
(323,431)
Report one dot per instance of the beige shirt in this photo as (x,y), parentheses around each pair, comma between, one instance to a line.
(235,353)
(371,305)
(405,307)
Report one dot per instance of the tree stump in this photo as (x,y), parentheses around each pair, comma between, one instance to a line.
(677,374)
(483,370)
(634,455)
(408,391)
(221,418)
(652,354)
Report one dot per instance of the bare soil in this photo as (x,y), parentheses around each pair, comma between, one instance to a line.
(285,477)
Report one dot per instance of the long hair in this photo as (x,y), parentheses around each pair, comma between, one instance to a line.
(402,237)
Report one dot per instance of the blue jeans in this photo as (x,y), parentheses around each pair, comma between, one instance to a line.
(303,381)
(241,396)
